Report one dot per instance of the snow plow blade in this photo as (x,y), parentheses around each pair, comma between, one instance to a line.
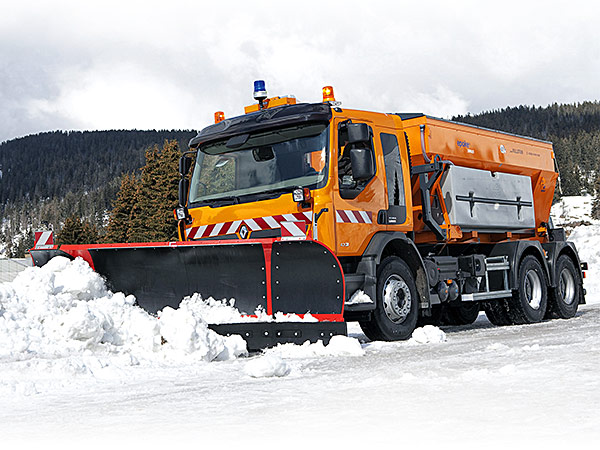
(288,276)
(259,335)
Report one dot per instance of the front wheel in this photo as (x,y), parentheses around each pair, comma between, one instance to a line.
(395,317)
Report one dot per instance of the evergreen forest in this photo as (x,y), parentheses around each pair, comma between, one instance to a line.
(48,178)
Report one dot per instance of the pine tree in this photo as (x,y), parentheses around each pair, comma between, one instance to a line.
(168,200)
(140,228)
(77,231)
(89,233)
(120,216)
(70,231)
(156,197)
(596,203)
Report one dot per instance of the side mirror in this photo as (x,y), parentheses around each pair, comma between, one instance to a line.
(184,187)
(185,162)
(358,132)
(361,160)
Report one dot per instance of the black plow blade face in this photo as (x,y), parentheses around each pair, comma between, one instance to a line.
(278,276)
(163,276)
(306,277)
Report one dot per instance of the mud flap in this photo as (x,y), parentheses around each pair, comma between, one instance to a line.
(279,276)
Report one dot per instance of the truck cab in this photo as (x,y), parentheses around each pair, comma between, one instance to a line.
(325,168)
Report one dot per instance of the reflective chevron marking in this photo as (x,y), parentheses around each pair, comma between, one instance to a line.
(349,216)
(254,224)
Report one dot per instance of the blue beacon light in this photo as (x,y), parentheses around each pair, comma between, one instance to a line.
(260,91)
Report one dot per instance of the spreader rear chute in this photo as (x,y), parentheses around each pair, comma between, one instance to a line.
(292,277)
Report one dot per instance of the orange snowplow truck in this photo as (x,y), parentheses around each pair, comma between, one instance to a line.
(391,220)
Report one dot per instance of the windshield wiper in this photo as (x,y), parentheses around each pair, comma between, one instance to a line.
(234,200)
(221,201)
(272,193)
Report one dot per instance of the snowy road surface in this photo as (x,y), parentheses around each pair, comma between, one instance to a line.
(484,387)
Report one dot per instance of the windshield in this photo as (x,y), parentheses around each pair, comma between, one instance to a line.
(273,161)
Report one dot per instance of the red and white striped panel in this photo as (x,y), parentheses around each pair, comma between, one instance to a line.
(43,239)
(293,230)
(255,224)
(349,216)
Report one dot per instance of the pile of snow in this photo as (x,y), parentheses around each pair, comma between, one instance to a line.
(338,346)
(274,362)
(571,212)
(62,318)
(429,334)
(359,297)
(224,311)
(574,214)
(267,366)
(64,308)
(587,241)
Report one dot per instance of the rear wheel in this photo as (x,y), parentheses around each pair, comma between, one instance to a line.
(463,314)
(530,300)
(563,300)
(495,310)
(395,317)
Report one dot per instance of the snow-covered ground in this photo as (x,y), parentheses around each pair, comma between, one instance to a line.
(85,368)
(573,213)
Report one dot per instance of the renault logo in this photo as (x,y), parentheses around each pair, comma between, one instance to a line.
(244,232)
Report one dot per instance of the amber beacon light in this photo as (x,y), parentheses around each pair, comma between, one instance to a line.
(219,116)
(328,94)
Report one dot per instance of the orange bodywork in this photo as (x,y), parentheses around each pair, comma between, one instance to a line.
(346,225)
(485,149)
(352,238)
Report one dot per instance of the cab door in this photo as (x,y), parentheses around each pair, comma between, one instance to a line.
(357,199)
(397,180)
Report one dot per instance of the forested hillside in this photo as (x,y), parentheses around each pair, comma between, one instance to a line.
(48,177)
(573,129)
(49,165)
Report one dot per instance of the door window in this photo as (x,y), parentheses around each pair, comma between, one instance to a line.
(394,179)
(349,186)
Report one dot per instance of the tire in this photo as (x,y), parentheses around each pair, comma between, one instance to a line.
(463,314)
(395,316)
(435,318)
(563,300)
(495,310)
(530,300)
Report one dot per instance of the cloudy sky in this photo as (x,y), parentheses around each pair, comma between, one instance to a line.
(172,64)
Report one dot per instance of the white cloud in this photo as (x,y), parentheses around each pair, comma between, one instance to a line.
(68,64)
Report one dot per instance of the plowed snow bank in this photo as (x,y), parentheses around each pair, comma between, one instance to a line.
(64,308)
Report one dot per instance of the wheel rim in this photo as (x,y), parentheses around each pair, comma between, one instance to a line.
(533,289)
(566,286)
(396,299)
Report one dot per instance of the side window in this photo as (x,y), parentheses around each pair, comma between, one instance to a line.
(396,212)
(350,183)
(393,169)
